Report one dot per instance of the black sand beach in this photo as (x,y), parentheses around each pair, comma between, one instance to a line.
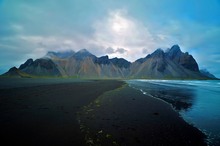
(102,112)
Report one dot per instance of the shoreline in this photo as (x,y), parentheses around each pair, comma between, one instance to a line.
(96,111)
(115,114)
(177,111)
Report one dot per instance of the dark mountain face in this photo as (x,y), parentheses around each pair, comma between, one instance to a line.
(158,61)
(159,53)
(174,53)
(102,60)
(184,59)
(26,64)
(40,67)
(13,69)
(120,62)
(189,62)
(15,72)
(142,60)
(44,63)
(82,54)
(172,64)
(12,72)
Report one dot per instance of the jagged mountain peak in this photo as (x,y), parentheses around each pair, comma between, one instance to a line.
(142,60)
(15,72)
(83,51)
(158,53)
(105,57)
(175,48)
(159,50)
(120,62)
(170,64)
(27,63)
(184,59)
(13,69)
(82,54)
(116,58)
(174,51)
(103,60)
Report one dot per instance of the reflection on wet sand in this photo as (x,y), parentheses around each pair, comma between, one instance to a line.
(180,98)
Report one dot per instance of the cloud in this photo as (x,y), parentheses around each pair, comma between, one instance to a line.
(110,50)
(119,30)
(121,50)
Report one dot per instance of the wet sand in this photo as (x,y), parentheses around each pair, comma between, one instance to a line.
(89,113)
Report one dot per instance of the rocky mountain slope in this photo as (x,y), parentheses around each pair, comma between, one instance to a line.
(171,64)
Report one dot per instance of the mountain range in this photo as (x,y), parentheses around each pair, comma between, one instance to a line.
(170,64)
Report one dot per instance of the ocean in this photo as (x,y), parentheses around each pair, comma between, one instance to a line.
(198,102)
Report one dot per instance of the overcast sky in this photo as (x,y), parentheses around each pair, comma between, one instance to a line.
(118,28)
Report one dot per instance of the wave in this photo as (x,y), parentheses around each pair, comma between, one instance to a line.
(207,85)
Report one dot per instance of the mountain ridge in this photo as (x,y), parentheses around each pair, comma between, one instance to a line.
(170,64)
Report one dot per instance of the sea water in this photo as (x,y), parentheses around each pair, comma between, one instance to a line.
(198,102)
